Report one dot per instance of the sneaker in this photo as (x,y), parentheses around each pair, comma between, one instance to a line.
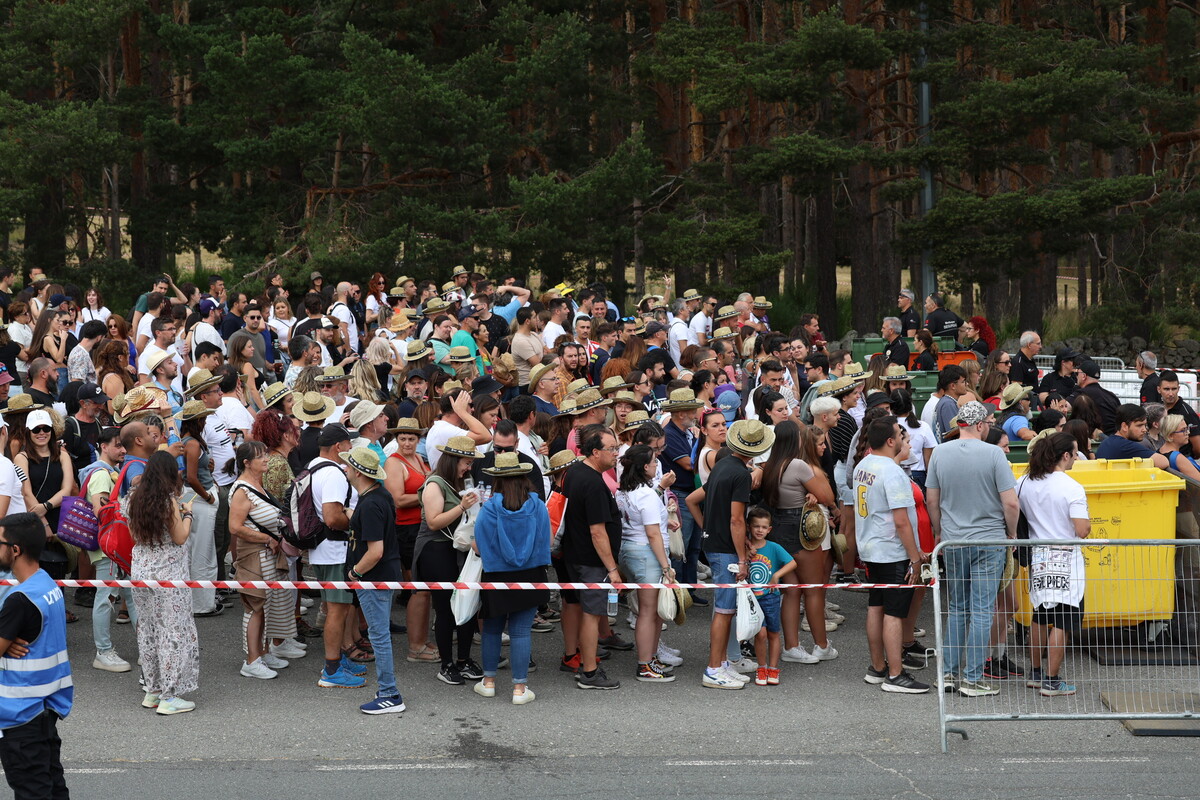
(501,664)
(830,626)
(834,616)
(663,646)
(1009,669)
(760,676)
(550,615)
(737,676)
(541,626)
(109,661)
(631,620)
(274,661)
(307,602)
(991,669)
(484,691)
(532,666)
(615,642)
(647,673)
(912,661)
(748,650)
(976,688)
(470,670)
(383,705)
(598,680)
(1056,687)
(745,666)
(287,650)
(174,705)
(123,619)
(665,669)
(697,600)
(524,697)
(570,664)
(918,633)
(826,653)
(904,683)
(150,700)
(259,670)
(665,656)
(215,611)
(353,667)
(449,674)
(951,682)
(720,679)
(798,655)
(703,573)
(772,676)
(876,676)
(308,631)
(602,653)
(1035,678)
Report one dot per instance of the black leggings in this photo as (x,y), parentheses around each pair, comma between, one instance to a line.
(439,562)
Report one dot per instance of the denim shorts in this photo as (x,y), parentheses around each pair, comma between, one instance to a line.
(639,564)
(769,603)
(724,600)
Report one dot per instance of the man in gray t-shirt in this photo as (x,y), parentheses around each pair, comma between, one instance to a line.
(971,497)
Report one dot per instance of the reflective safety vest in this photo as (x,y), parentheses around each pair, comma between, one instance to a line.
(42,679)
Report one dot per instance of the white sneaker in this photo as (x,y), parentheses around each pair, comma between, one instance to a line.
(296,643)
(826,653)
(109,661)
(274,662)
(798,655)
(834,616)
(258,670)
(744,665)
(832,607)
(830,626)
(286,650)
(307,602)
(721,680)
(663,646)
(666,657)
(631,620)
(734,674)
(703,572)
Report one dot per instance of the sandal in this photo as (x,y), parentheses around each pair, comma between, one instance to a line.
(426,654)
(359,655)
(365,646)
(71,618)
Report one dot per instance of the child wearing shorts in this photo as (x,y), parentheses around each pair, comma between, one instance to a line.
(768,563)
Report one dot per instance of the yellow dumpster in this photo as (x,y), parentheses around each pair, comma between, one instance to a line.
(1127,499)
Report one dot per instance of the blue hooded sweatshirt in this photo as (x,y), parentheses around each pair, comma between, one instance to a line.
(513,540)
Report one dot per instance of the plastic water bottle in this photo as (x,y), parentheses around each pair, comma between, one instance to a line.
(612,602)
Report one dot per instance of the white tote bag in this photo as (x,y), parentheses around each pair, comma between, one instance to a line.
(749,615)
(465,603)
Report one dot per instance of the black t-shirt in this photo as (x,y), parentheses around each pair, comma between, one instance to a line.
(589,502)
(662,356)
(374,520)
(306,328)
(40,396)
(306,449)
(728,483)
(943,321)
(909,321)
(1107,404)
(79,439)
(981,348)
(5,299)
(1023,370)
(19,618)
(488,461)
(1149,386)
(897,352)
(1063,384)
(497,329)
(925,362)
(230,324)
(406,408)
(8,356)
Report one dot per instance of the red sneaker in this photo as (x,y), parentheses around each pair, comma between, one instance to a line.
(772,676)
(760,676)
(571,664)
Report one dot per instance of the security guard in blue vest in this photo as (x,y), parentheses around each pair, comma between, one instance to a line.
(36,689)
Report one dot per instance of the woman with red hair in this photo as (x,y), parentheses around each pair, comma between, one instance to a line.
(979,336)
(376,297)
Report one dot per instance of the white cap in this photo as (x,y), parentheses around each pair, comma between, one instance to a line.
(39,417)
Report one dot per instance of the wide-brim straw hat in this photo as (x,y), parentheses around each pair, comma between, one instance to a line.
(637,419)
(417,349)
(578,385)
(814,525)
(436,305)
(313,407)
(838,387)
(681,400)
(855,371)
(724,332)
(194,409)
(399,323)
(1013,394)
(142,399)
(460,355)
(200,381)
(614,384)
(461,446)
(895,372)
(763,304)
(408,425)
(726,312)
(20,404)
(332,375)
(628,398)
(508,464)
(365,460)
(561,460)
(537,373)
(690,295)
(587,400)
(274,393)
(749,437)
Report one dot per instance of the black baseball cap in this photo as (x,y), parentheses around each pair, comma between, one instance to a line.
(419,372)
(90,391)
(1090,368)
(333,434)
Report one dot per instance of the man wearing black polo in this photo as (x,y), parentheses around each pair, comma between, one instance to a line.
(896,349)
(910,320)
(1106,402)
(940,320)
(1024,369)
(1168,388)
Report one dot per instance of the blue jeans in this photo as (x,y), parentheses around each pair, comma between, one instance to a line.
(377,608)
(62,381)
(693,537)
(973,574)
(102,609)
(519,645)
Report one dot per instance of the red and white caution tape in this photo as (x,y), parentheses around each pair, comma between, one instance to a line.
(435,585)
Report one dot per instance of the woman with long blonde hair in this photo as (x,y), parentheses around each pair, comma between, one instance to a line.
(364,384)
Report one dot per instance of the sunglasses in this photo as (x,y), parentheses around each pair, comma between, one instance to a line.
(510,449)
(40,430)
(253,319)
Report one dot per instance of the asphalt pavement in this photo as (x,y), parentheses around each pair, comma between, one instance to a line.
(823,729)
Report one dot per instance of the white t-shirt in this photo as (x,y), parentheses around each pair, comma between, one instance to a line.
(341,313)
(10,485)
(929,412)
(374,301)
(329,486)
(551,333)
(640,508)
(881,487)
(234,414)
(220,448)
(679,330)
(283,331)
(1056,574)
(920,437)
(203,332)
(87,315)
(144,328)
(154,349)
(439,434)
(700,324)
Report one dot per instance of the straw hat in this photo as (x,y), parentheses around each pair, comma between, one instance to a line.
(399,323)
(436,305)
(365,460)
(200,381)
(763,304)
(461,446)
(451,385)
(749,437)
(274,393)
(854,371)
(364,413)
(156,360)
(537,373)
(814,524)
(578,385)
(637,419)
(724,333)
(587,400)
(726,312)
(460,355)
(838,387)
(640,330)
(681,400)
(449,286)
(561,460)
(614,384)
(194,409)
(20,404)
(332,375)
(408,425)
(417,349)
(461,270)
(628,398)
(691,295)
(403,279)
(895,372)
(1013,394)
(142,399)
(313,407)
(508,464)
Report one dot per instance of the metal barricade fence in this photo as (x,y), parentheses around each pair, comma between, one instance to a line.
(1135,657)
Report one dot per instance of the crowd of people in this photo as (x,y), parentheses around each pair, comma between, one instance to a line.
(397,429)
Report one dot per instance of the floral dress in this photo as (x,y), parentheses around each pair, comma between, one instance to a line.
(166,631)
